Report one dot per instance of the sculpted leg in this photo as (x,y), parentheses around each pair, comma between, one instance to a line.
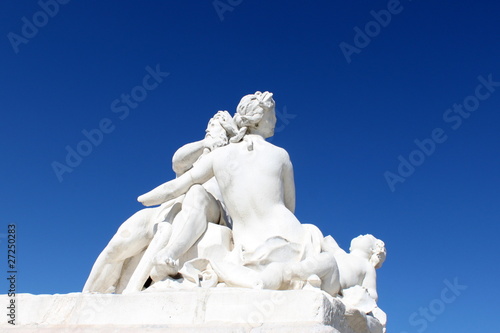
(128,268)
(323,265)
(130,239)
(198,208)
(141,273)
(240,276)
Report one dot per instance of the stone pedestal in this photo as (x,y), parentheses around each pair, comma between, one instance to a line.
(197,310)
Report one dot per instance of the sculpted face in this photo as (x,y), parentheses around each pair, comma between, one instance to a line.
(267,123)
(257,113)
(216,132)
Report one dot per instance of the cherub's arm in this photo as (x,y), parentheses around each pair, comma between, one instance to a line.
(289,185)
(200,173)
(370,282)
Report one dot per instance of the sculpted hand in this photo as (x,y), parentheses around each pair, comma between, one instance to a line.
(168,191)
(210,143)
(142,199)
(156,196)
(227,122)
(220,127)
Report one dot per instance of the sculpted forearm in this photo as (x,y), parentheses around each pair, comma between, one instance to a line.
(186,155)
(160,194)
(199,174)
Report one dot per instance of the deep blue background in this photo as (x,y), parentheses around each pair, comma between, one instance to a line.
(347,125)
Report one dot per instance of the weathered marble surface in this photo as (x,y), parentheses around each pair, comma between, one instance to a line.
(199,310)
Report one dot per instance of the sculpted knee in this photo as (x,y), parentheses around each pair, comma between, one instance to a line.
(114,251)
(197,196)
(111,255)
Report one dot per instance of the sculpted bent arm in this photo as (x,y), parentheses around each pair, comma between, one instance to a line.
(200,173)
(218,128)
(186,155)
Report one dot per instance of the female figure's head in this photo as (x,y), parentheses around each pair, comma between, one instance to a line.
(255,114)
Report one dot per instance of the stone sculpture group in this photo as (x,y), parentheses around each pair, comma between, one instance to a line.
(227,220)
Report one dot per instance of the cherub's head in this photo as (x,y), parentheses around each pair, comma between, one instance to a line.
(374,247)
(256,114)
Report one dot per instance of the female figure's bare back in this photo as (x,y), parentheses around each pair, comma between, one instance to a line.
(258,189)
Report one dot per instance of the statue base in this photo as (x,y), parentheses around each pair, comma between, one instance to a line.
(195,310)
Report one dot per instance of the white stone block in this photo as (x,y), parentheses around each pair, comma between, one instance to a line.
(197,310)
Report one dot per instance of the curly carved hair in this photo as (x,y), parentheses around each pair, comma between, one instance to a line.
(376,250)
(250,111)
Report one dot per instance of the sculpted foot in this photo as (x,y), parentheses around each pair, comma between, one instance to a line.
(164,267)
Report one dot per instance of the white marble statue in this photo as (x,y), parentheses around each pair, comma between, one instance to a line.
(271,247)
(125,263)
(245,186)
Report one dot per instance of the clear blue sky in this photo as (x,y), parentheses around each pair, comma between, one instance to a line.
(345,124)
